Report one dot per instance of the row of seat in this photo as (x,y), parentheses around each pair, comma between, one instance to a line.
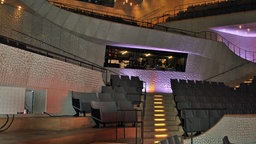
(211,89)
(96,14)
(217,99)
(104,109)
(202,103)
(111,112)
(82,100)
(199,88)
(170,140)
(216,8)
(126,82)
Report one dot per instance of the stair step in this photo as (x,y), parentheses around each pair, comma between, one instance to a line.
(171,121)
(170,118)
(165,134)
(166,114)
(167,123)
(168,128)
(165,107)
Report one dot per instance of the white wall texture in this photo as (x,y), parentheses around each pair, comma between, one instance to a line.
(87,38)
(206,58)
(240,129)
(204,23)
(37,29)
(24,69)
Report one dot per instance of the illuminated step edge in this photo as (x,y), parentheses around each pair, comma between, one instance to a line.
(158,103)
(158,96)
(159,124)
(161,135)
(160,129)
(159,119)
(158,106)
(158,99)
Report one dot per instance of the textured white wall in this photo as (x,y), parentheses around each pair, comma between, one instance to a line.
(40,29)
(24,69)
(240,129)
(206,58)
(204,23)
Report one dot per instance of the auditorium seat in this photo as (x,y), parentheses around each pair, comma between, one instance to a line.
(115,80)
(105,97)
(226,140)
(84,100)
(170,140)
(104,112)
(107,89)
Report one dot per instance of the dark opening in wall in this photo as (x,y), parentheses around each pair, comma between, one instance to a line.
(133,58)
(109,3)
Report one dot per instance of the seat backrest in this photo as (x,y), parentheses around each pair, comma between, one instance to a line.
(115,80)
(173,140)
(125,78)
(226,140)
(84,97)
(125,105)
(119,90)
(105,97)
(104,106)
(120,96)
(88,97)
(164,141)
(107,89)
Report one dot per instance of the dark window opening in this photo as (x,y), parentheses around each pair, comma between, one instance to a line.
(120,57)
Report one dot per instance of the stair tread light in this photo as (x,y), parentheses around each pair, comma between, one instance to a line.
(160,124)
(160,130)
(159,119)
(159,115)
(158,99)
(158,102)
(19,7)
(159,96)
(158,107)
(159,110)
(161,135)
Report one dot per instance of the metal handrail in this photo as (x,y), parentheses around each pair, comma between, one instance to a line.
(73,59)
(204,34)
(67,5)
(72,55)
(50,54)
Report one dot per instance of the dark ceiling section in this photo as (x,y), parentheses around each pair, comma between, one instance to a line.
(109,3)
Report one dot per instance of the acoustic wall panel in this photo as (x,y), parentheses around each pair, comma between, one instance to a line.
(11,100)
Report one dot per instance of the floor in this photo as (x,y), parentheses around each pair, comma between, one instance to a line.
(80,136)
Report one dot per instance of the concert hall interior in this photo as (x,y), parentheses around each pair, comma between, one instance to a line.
(127,71)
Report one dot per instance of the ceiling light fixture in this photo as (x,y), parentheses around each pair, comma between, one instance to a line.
(128,2)
(19,7)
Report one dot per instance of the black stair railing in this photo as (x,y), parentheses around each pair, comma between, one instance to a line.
(152,24)
(68,57)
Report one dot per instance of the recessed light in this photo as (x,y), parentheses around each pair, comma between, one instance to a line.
(19,7)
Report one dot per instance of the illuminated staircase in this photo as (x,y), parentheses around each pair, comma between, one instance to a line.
(160,120)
